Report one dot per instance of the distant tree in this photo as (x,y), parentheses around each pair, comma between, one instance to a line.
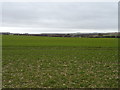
(100,35)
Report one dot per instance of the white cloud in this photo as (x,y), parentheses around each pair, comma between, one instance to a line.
(50,30)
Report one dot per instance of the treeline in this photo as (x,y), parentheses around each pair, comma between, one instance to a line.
(85,35)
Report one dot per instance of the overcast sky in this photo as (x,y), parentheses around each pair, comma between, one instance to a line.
(59,17)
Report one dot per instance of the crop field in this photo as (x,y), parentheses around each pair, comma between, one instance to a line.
(59,62)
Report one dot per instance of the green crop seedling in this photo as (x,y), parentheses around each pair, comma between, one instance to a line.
(59,62)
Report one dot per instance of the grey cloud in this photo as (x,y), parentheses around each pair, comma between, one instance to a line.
(87,15)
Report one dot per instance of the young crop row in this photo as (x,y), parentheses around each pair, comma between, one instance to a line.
(39,62)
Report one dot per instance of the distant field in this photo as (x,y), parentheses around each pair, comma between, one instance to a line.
(59,62)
